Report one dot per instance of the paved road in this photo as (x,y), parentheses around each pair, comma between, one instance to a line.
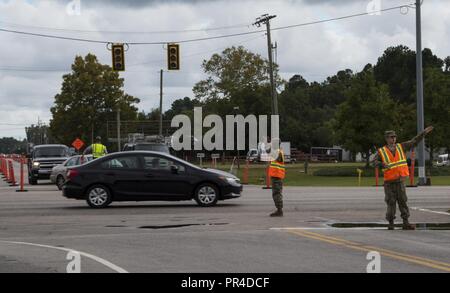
(39,228)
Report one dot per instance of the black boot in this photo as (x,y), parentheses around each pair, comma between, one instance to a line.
(391,225)
(277,213)
(408,226)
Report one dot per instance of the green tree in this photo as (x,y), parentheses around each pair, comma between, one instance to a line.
(361,120)
(397,68)
(10,145)
(437,108)
(236,77)
(89,97)
(447,64)
(182,106)
(307,108)
(39,134)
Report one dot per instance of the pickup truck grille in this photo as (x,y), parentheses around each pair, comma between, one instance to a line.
(50,164)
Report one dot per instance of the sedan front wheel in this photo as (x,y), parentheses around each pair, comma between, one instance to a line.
(206,195)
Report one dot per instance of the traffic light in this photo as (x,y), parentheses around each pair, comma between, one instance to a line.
(173,56)
(118,57)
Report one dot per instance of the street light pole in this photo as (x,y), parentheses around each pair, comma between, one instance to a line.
(420,112)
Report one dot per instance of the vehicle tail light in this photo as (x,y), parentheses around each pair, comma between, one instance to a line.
(72,173)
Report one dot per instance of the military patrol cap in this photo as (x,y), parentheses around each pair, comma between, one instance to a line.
(389,133)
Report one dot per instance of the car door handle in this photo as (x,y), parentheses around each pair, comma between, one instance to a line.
(149,175)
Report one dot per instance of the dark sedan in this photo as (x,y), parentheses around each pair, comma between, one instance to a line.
(148,176)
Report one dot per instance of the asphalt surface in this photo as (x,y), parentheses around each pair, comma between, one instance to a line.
(39,228)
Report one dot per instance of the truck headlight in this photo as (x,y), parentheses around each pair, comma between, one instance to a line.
(36,165)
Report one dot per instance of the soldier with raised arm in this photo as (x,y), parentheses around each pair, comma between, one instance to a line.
(392,158)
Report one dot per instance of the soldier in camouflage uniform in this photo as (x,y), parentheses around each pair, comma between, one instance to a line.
(393,160)
(277,174)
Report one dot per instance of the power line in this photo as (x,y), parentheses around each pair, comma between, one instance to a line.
(53,37)
(12,124)
(205,38)
(337,18)
(46,69)
(196,54)
(36,69)
(128,32)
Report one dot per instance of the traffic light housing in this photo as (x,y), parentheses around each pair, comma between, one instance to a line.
(173,56)
(118,57)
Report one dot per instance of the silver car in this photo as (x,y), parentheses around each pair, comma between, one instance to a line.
(59,172)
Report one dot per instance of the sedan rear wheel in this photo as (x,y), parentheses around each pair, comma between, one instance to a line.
(60,182)
(98,197)
(206,195)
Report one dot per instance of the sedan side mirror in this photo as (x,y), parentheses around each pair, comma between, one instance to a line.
(174,169)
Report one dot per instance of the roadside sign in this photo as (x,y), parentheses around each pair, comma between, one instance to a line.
(200,155)
(77,144)
(214,158)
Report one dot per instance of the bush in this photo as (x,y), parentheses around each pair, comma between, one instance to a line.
(345,172)
(437,171)
(370,172)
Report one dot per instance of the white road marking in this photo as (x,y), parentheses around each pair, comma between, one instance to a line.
(430,211)
(327,228)
(93,257)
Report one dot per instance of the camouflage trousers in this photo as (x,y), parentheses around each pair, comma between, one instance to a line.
(395,192)
(277,189)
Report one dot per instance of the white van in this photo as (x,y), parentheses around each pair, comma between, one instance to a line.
(443,160)
(262,154)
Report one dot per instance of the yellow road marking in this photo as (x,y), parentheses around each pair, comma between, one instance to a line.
(386,250)
(378,248)
(443,266)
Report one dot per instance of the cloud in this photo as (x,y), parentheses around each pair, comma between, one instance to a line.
(142,3)
(315,51)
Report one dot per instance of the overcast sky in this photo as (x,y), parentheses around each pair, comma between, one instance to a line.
(31,68)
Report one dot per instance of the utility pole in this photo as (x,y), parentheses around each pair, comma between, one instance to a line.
(265,19)
(161,104)
(420,114)
(118,128)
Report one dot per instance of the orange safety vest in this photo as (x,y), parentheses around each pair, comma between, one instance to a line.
(277,168)
(396,166)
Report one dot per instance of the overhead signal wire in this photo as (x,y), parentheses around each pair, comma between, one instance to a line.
(204,38)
